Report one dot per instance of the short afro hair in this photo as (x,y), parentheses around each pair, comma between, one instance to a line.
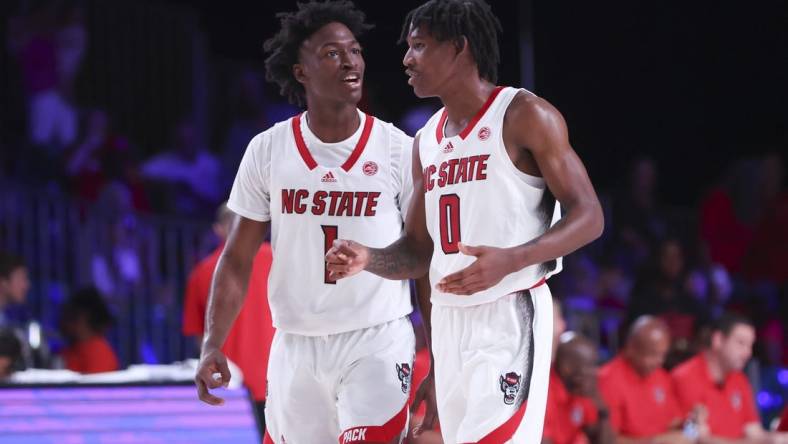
(297,26)
(454,19)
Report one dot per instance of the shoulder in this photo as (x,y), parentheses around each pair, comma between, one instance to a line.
(686,370)
(531,113)
(396,135)
(608,372)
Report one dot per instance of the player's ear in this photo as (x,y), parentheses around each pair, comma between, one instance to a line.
(298,73)
(461,44)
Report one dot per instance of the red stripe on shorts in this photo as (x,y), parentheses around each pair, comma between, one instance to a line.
(381,433)
(506,430)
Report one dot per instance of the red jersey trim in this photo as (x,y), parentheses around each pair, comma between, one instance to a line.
(506,430)
(310,162)
(362,143)
(382,433)
(469,127)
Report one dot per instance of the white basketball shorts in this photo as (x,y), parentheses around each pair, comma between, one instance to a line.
(492,366)
(347,387)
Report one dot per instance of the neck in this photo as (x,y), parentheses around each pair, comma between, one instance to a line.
(716,369)
(332,122)
(464,99)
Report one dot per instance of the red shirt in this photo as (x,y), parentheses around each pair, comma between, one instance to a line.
(94,355)
(640,407)
(731,405)
(567,414)
(250,338)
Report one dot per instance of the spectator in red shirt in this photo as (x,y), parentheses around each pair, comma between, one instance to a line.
(639,392)
(84,321)
(250,338)
(713,380)
(576,413)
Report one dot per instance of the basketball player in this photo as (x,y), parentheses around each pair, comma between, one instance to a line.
(493,165)
(341,358)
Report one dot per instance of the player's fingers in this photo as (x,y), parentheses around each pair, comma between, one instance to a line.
(466,272)
(464,288)
(343,247)
(224,371)
(469,250)
(338,268)
(205,396)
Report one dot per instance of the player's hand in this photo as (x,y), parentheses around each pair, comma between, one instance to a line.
(213,372)
(346,258)
(491,265)
(426,394)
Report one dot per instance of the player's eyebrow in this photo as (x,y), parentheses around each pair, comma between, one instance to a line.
(338,43)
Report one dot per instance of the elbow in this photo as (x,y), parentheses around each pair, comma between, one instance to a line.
(597,223)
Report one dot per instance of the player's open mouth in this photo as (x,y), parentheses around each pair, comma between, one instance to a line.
(352,79)
(412,75)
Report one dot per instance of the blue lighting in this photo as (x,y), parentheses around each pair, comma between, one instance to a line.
(782,376)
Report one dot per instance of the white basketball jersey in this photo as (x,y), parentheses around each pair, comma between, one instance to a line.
(310,204)
(475,195)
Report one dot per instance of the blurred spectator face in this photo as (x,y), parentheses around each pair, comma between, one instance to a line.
(647,354)
(577,366)
(671,260)
(16,286)
(735,349)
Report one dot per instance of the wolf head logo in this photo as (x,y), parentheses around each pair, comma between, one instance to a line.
(403,373)
(510,386)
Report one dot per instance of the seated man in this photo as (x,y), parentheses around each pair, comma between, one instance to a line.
(576,413)
(713,381)
(639,392)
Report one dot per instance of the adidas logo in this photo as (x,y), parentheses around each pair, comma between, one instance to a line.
(329,177)
(448,148)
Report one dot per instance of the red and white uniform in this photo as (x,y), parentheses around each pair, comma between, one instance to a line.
(495,344)
(332,359)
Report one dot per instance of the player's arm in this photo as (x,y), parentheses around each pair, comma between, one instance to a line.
(534,125)
(537,126)
(406,258)
(228,291)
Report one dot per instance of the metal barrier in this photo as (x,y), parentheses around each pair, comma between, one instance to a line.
(139,262)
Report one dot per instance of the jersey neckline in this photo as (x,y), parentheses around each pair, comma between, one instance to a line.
(310,162)
(469,127)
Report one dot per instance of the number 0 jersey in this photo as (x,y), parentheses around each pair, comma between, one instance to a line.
(475,195)
(314,192)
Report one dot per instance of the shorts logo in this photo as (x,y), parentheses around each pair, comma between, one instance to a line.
(370,168)
(510,386)
(403,373)
(484,133)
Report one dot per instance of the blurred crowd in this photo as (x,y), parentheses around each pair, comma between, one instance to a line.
(672,300)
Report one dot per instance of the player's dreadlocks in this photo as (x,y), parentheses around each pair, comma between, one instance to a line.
(296,27)
(455,19)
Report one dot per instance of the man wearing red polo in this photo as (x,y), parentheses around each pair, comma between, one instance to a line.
(639,392)
(713,380)
(250,339)
(576,412)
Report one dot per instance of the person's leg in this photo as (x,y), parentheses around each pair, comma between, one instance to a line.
(375,383)
(504,369)
(447,333)
(300,407)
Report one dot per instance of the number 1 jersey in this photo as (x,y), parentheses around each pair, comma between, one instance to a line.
(314,192)
(475,195)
